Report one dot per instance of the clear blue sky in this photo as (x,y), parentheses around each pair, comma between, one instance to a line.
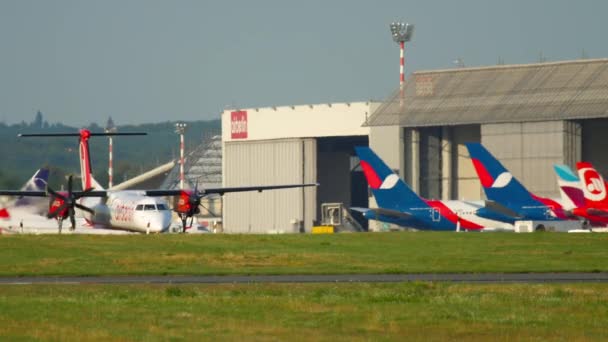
(79,61)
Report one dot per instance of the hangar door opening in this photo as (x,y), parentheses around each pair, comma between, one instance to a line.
(437,164)
(593,142)
(337,173)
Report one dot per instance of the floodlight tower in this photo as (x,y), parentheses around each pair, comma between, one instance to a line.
(110,128)
(401,33)
(180,128)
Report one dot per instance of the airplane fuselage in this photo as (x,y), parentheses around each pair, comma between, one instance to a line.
(129,210)
(445,216)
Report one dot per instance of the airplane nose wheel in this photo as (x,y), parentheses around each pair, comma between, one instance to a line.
(59,223)
(184,219)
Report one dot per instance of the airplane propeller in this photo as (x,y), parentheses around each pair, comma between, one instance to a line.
(69,202)
(194,201)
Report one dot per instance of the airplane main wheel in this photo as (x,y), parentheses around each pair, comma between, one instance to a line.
(540,228)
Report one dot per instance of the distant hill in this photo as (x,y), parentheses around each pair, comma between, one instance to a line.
(132,155)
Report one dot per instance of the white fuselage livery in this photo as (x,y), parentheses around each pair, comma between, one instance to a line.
(466,210)
(129,210)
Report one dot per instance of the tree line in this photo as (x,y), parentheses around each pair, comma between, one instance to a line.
(131,155)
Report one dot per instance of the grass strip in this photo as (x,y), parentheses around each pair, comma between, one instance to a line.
(311,312)
(398,252)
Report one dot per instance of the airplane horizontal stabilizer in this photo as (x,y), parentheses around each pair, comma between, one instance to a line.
(597,212)
(501,209)
(384,212)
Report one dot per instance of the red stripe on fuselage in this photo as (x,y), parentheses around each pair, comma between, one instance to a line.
(555,207)
(451,216)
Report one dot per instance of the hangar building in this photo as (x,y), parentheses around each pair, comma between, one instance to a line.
(529,116)
(291,145)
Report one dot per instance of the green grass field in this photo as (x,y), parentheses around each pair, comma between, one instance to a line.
(301,254)
(279,312)
(306,312)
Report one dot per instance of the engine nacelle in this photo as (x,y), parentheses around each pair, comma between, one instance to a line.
(55,204)
(187,203)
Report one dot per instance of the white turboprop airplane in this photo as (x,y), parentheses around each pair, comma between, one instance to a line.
(134,210)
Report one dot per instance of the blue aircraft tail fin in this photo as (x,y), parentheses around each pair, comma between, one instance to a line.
(497,182)
(38,182)
(390,191)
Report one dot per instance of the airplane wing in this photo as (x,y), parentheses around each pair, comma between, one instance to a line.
(176,192)
(26,193)
(221,191)
(23,193)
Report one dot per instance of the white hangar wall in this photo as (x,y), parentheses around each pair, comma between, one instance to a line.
(269,162)
(319,120)
(287,145)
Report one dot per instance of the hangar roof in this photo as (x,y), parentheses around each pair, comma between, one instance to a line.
(505,93)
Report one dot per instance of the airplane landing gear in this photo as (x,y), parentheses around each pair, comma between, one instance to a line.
(184,219)
(72,220)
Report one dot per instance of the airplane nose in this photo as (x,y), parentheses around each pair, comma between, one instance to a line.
(159,223)
(166,220)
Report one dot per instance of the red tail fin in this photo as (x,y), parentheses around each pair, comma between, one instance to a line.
(85,158)
(594,186)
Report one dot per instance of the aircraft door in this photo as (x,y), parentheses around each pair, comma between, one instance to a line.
(436,216)
(549,212)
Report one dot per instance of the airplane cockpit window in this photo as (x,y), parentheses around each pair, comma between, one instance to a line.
(161,206)
(148,207)
(139,207)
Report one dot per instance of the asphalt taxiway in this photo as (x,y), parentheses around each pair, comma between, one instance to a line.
(600,277)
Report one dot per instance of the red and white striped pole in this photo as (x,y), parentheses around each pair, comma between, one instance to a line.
(181,160)
(401,71)
(401,33)
(180,128)
(110,169)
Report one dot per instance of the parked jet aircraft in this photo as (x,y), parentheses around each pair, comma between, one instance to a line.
(398,204)
(136,210)
(38,182)
(500,186)
(570,187)
(587,192)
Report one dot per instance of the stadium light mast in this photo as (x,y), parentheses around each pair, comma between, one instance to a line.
(401,33)
(110,128)
(180,128)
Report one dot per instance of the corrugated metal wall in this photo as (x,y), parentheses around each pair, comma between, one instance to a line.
(466,185)
(272,162)
(573,142)
(529,150)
